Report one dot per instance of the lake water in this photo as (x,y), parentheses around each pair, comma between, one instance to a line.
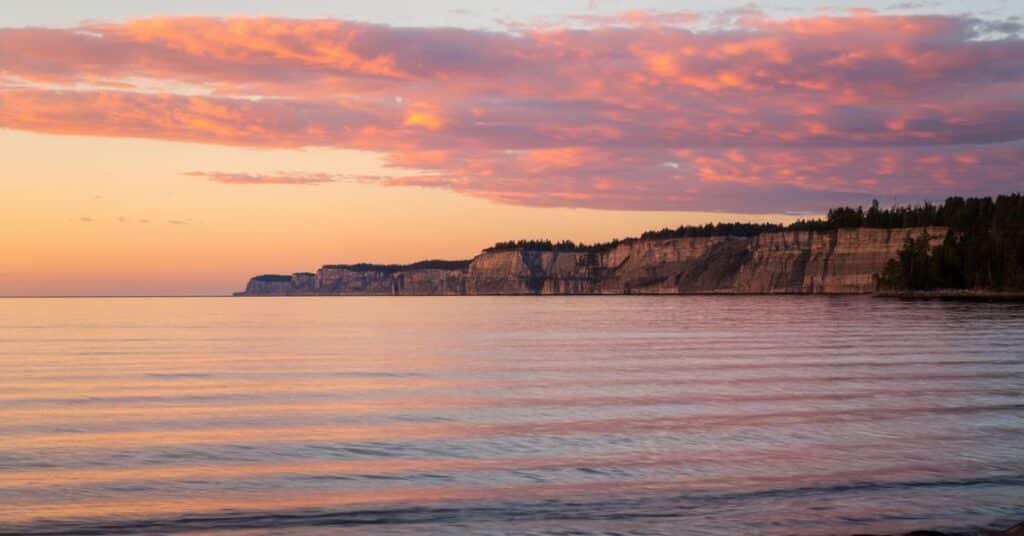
(541,415)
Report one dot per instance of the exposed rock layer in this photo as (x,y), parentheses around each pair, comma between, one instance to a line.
(803,262)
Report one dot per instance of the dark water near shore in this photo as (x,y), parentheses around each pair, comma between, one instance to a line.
(628,415)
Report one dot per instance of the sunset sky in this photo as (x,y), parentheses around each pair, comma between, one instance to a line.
(150,149)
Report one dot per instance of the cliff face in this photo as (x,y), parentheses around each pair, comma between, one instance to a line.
(840,261)
(362,280)
(421,281)
(297,284)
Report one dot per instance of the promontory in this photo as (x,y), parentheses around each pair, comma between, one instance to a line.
(960,245)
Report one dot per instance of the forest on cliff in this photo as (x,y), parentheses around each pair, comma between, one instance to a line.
(984,247)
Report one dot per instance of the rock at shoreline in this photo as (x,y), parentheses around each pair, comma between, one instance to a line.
(1016,530)
(955,294)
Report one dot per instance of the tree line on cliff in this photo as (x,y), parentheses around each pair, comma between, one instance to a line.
(900,216)
(874,216)
(983,249)
(685,231)
(432,264)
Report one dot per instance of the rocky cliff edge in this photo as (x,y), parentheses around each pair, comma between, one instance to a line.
(792,262)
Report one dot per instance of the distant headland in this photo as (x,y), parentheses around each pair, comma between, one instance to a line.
(963,248)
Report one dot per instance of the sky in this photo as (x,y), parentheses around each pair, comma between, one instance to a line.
(156,150)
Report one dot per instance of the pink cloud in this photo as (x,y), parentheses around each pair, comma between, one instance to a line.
(636,112)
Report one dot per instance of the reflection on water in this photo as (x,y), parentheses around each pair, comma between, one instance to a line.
(703,415)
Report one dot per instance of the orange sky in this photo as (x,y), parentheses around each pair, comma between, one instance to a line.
(99,216)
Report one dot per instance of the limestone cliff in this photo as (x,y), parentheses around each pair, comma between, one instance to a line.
(805,262)
(384,282)
(297,284)
(422,278)
(840,261)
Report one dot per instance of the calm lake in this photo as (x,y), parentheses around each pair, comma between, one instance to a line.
(541,415)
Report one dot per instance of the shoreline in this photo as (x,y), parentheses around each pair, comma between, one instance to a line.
(1016,530)
(943,294)
(978,295)
(917,295)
